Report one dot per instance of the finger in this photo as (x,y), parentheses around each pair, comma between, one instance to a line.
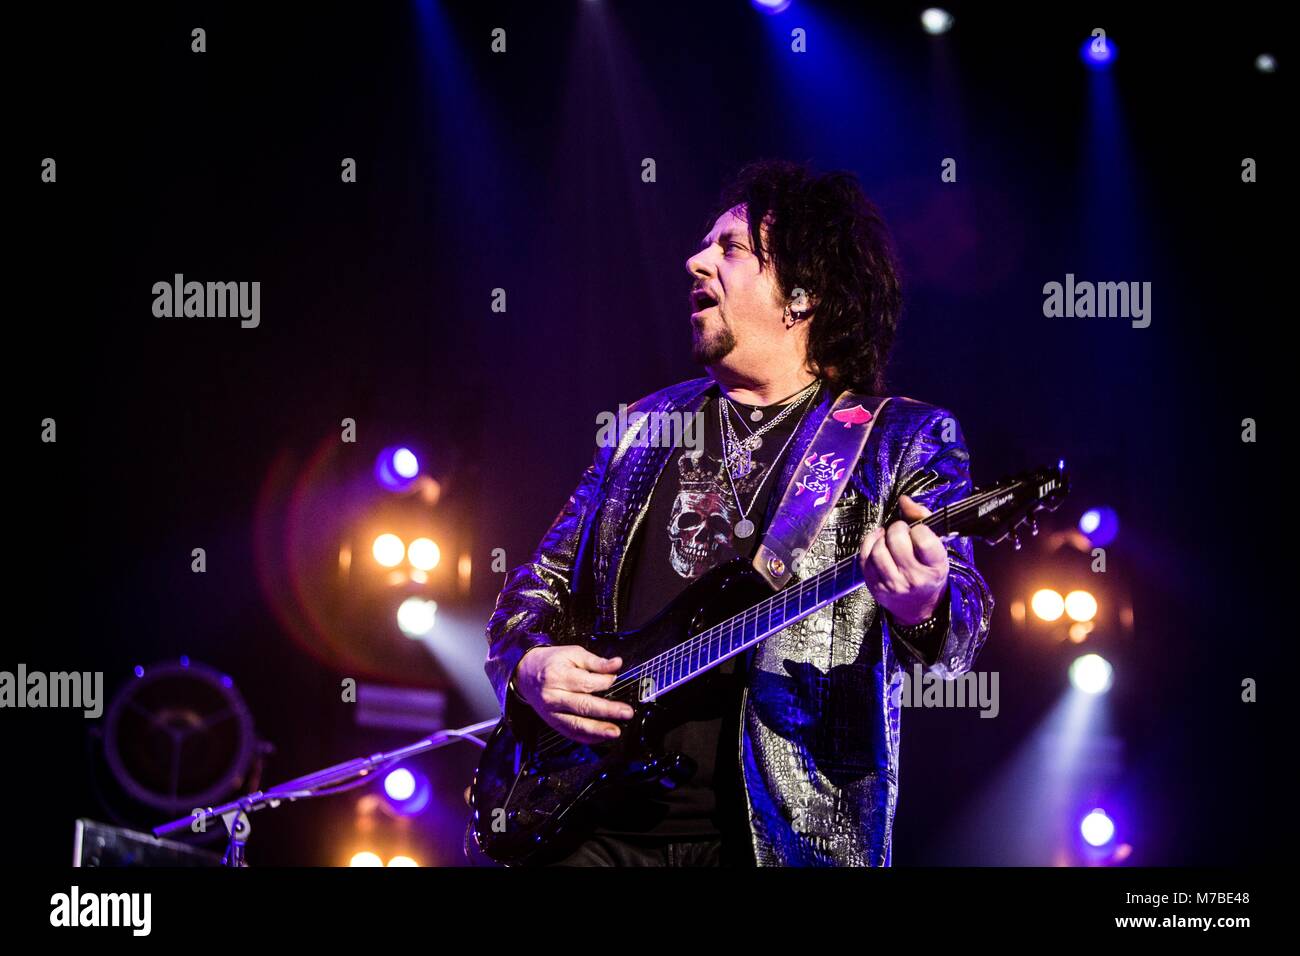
(583,730)
(588,705)
(913,510)
(597,664)
(927,547)
(898,537)
(584,682)
(869,542)
(886,571)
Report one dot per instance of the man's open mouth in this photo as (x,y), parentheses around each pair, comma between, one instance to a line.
(702,300)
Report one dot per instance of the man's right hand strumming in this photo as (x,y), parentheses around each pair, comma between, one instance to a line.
(560,684)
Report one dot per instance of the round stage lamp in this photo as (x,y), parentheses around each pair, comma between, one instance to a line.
(936,21)
(388,550)
(1097,828)
(365,858)
(1048,605)
(1080,606)
(400,784)
(1091,674)
(1100,526)
(179,736)
(423,554)
(1099,52)
(396,468)
(416,616)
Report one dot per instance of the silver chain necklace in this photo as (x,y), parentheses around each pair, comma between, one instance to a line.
(744,527)
(756,413)
(738,452)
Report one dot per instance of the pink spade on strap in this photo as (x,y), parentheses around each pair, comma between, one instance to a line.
(857,415)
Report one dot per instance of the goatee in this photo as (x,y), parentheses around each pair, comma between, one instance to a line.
(711,349)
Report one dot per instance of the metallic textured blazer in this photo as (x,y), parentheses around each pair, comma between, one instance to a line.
(819,736)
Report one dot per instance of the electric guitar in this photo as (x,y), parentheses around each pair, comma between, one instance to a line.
(534,787)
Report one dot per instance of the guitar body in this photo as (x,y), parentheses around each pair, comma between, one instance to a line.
(534,788)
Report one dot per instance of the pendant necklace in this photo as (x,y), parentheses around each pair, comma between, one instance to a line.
(756,413)
(738,452)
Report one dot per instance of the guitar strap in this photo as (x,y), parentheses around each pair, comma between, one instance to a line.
(816,485)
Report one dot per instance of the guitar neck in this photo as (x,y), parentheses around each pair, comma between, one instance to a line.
(795,602)
(737,634)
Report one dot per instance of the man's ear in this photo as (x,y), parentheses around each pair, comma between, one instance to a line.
(801,300)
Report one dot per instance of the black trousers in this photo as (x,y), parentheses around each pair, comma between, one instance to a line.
(605,849)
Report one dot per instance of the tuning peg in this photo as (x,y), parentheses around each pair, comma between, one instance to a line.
(1015,540)
(1033,526)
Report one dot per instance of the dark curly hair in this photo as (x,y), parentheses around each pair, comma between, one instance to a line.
(826,237)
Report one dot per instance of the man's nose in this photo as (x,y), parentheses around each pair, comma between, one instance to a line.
(698,266)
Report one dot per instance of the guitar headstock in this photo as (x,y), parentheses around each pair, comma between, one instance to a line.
(1007,508)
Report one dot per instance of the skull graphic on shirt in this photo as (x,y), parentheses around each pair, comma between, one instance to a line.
(703,514)
(700,524)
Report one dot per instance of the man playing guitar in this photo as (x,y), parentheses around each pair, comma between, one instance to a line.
(790,749)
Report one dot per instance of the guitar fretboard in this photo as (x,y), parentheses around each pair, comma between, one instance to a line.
(797,601)
(737,634)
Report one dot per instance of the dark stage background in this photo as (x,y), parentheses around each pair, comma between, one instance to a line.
(522,171)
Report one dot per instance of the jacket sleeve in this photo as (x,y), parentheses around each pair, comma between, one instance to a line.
(535,598)
(935,470)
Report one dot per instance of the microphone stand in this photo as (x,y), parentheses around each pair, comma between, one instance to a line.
(323,783)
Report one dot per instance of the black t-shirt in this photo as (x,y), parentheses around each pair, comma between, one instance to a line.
(689,528)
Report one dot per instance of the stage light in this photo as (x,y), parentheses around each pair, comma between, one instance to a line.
(139,671)
(1100,526)
(1099,52)
(1097,828)
(1080,606)
(388,550)
(402,861)
(400,784)
(1047,604)
(1091,674)
(396,468)
(423,554)
(772,6)
(415,616)
(1265,63)
(408,791)
(405,463)
(936,21)
(365,858)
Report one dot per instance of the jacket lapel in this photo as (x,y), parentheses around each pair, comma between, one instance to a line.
(636,471)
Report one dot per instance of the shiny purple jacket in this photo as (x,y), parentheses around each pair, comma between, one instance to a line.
(819,738)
